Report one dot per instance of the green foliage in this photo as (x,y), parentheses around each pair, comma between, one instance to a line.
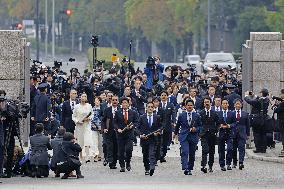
(275,19)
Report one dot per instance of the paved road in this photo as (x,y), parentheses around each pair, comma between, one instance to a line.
(257,174)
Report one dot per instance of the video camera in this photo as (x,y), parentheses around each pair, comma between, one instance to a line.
(57,64)
(150,62)
(277,98)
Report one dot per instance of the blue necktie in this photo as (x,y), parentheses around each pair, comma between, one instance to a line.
(150,121)
(225,116)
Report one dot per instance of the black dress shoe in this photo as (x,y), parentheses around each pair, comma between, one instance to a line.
(122,170)
(163,160)
(64,177)
(204,169)
(88,161)
(229,167)
(256,151)
(7,176)
(105,163)
(223,169)
(210,170)
(235,166)
(80,176)
(128,168)
(147,172)
(152,172)
(186,172)
(113,167)
(241,166)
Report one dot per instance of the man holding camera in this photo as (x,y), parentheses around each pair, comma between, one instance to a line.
(278,107)
(258,118)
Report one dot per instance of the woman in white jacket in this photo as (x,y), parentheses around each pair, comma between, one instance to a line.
(82,116)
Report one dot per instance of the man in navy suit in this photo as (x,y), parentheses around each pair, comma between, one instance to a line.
(40,110)
(225,136)
(218,104)
(123,118)
(197,101)
(241,131)
(187,128)
(139,96)
(67,111)
(149,123)
(208,135)
(167,113)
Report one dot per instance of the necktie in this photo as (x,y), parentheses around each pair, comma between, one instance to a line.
(164,105)
(150,120)
(125,117)
(238,115)
(225,116)
(73,104)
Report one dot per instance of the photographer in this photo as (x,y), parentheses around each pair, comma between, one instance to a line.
(278,107)
(154,71)
(258,118)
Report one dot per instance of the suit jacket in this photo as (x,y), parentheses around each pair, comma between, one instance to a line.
(241,128)
(69,149)
(198,105)
(231,97)
(108,120)
(55,145)
(209,124)
(280,111)
(66,117)
(144,128)
(41,107)
(120,124)
(139,101)
(40,144)
(182,128)
(229,120)
(167,116)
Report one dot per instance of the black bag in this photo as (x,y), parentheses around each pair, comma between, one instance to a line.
(258,121)
(276,124)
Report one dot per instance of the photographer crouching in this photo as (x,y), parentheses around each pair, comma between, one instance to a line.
(278,107)
(258,118)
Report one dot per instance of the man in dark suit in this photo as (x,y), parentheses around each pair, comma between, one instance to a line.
(232,95)
(109,132)
(149,123)
(218,104)
(208,135)
(167,113)
(67,111)
(187,128)
(225,136)
(40,111)
(197,101)
(241,131)
(139,96)
(125,121)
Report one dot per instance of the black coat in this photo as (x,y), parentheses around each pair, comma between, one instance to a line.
(41,107)
(119,123)
(139,101)
(66,117)
(231,97)
(256,104)
(167,116)
(144,128)
(108,115)
(209,124)
(40,144)
(66,149)
(55,145)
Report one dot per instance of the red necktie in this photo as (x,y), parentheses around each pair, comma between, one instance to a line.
(125,116)
(238,115)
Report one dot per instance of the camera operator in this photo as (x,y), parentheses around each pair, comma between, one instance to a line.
(278,107)
(154,71)
(258,118)
(7,133)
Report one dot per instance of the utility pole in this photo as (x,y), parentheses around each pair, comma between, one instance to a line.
(208,26)
(53,31)
(46,29)
(222,25)
(37,29)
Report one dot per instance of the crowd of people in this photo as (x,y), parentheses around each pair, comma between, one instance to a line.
(100,117)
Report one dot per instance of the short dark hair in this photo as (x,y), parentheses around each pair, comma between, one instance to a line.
(282,91)
(207,98)
(68,136)
(237,100)
(150,102)
(189,100)
(61,131)
(39,128)
(124,99)
(165,92)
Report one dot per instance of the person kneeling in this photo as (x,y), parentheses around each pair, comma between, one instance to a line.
(68,157)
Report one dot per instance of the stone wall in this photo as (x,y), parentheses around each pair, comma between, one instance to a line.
(12,60)
(14,70)
(267,59)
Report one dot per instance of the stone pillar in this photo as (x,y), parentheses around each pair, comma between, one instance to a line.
(266,61)
(14,69)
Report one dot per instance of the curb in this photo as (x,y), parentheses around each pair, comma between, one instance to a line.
(252,155)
